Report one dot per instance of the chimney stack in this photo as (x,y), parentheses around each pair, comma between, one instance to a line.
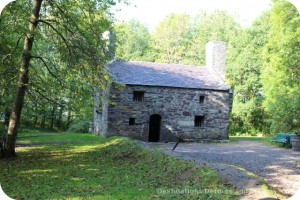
(216,57)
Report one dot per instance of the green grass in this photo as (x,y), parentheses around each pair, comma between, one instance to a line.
(264,140)
(96,168)
(252,138)
(27,138)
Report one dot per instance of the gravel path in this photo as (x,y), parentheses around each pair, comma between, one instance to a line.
(278,167)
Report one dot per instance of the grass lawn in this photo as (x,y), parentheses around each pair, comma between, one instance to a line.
(252,138)
(95,168)
(265,140)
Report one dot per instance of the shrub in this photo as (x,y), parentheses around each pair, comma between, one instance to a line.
(79,126)
(3,131)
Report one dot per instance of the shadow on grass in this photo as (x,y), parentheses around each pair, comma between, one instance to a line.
(113,168)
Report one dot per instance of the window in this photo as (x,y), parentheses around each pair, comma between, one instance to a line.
(199,121)
(138,95)
(131,121)
(201,99)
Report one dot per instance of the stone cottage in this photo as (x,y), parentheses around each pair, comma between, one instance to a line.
(159,102)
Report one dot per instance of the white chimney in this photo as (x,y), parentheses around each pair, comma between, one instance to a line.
(216,57)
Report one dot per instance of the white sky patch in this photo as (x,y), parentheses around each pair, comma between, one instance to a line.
(296,3)
(151,12)
(3,3)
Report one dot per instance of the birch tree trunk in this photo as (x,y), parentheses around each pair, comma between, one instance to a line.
(9,147)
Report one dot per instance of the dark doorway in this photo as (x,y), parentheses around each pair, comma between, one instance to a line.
(154,128)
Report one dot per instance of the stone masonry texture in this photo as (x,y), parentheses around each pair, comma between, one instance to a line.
(177,108)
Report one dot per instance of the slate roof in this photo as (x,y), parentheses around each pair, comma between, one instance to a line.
(170,75)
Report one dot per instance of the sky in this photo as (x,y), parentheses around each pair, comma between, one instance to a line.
(151,12)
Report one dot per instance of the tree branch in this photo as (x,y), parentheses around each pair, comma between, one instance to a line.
(8,55)
(17,43)
(60,35)
(52,74)
(47,98)
(53,20)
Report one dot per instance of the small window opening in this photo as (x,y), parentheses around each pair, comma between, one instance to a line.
(199,121)
(131,121)
(201,100)
(138,95)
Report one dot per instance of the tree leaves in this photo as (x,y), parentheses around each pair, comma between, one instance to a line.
(244,65)
(132,41)
(171,37)
(68,56)
(282,69)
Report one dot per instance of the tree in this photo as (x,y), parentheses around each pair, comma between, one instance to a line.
(132,41)
(244,66)
(170,38)
(64,40)
(219,26)
(11,36)
(281,74)
(177,39)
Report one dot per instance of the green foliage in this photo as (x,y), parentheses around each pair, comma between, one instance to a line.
(171,37)
(281,73)
(177,39)
(243,72)
(217,26)
(265,140)
(3,131)
(12,30)
(113,168)
(80,126)
(263,70)
(132,41)
(69,53)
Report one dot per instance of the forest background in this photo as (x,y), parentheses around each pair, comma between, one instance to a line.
(72,48)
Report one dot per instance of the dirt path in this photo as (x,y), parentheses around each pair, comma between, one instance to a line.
(247,165)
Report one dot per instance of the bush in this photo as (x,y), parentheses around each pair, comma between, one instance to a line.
(79,126)
(3,131)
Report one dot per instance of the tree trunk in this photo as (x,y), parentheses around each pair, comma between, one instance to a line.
(9,148)
(6,117)
(34,122)
(43,122)
(52,117)
(69,118)
(59,118)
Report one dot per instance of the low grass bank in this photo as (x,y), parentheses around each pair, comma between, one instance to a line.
(97,168)
(264,140)
(251,138)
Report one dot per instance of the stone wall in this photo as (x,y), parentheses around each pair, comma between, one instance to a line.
(101,113)
(177,107)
